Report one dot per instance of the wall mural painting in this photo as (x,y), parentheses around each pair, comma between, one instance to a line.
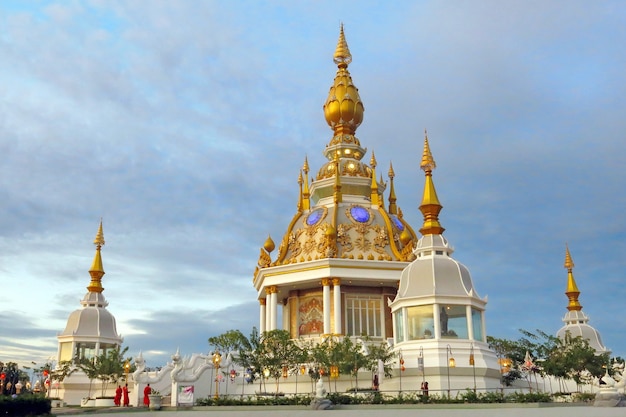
(311,317)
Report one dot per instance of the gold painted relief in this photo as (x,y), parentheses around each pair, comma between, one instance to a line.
(381,240)
(293,245)
(343,237)
(311,312)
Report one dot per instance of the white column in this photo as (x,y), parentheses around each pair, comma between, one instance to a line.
(273,307)
(470,328)
(268,311)
(337,304)
(262,315)
(326,306)
(437,324)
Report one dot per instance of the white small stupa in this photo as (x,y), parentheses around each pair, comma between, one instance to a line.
(437,315)
(90,331)
(576,322)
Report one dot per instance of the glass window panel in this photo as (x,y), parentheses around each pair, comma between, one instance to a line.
(399,333)
(453,320)
(363,316)
(420,322)
(477,324)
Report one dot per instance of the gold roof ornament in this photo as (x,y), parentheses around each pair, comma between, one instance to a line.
(97,271)
(269,244)
(571,291)
(430,206)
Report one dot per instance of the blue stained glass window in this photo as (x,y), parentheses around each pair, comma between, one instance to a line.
(398,223)
(314,217)
(359,214)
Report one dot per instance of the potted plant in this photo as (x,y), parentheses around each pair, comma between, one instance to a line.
(155,399)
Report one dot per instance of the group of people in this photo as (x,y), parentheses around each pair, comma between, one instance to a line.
(123,392)
(119,393)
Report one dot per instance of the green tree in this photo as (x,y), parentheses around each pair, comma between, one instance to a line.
(108,367)
(278,353)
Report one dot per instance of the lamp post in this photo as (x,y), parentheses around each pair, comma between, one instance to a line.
(472,362)
(401,367)
(420,365)
(217,358)
(126,369)
(451,364)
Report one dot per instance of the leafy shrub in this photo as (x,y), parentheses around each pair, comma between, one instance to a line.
(24,405)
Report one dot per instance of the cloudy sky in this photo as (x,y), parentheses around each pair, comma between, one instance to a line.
(183,124)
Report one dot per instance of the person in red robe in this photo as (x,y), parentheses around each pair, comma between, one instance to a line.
(146,391)
(125,392)
(118,396)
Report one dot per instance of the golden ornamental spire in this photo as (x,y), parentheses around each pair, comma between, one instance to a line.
(306,194)
(374,193)
(342,56)
(430,206)
(97,271)
(300,195)
(393,209)
(343,109)
(571,291)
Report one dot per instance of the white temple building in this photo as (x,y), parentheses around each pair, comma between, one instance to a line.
(343,252)
(90,332)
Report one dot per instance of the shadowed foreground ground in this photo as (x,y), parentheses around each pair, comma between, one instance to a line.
(460,410)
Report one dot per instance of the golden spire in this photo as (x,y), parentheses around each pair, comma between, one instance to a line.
(374,194)
(300,186)
(393,209)
(430,206)
(97,271)
(306,194)
(343,109)
(571,291)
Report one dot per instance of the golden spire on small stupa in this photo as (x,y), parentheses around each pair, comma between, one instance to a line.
(430,206)
(571,291)
(97,271)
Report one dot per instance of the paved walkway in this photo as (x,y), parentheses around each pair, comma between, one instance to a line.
(461,410)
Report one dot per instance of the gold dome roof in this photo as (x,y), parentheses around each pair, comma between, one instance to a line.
(341,213)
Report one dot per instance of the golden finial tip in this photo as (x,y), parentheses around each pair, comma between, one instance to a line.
(99,240)
(373,160)
(569,264)
(391,173)
(305,166)
(342,56)
(428,162)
